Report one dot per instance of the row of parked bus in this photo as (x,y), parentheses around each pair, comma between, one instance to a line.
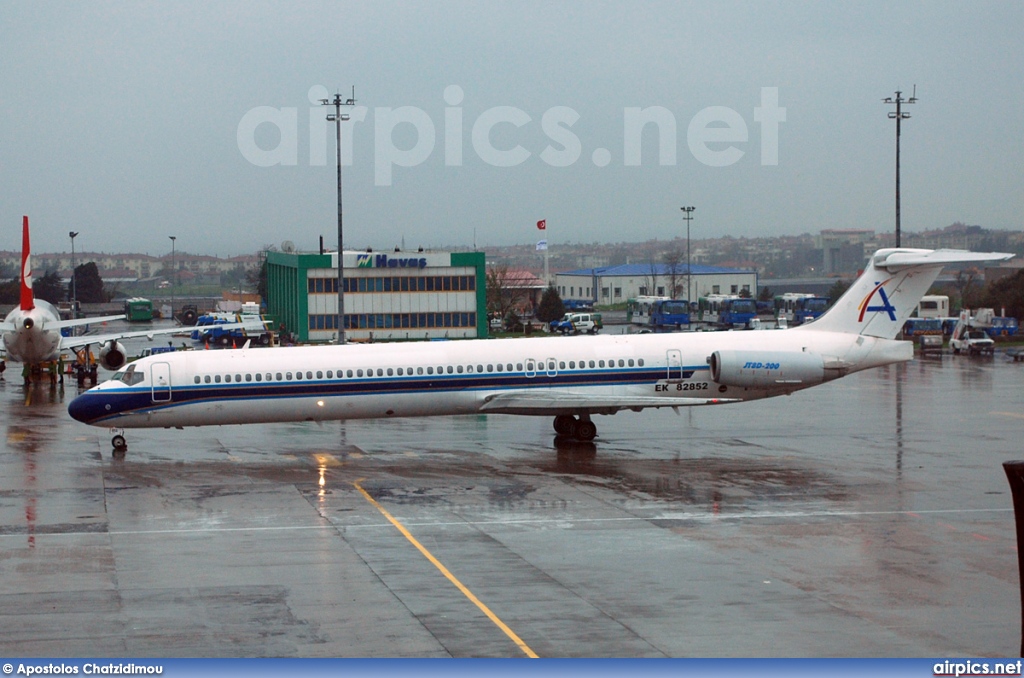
(721,311)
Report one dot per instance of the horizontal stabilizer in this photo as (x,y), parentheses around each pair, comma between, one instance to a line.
(554,401)
(896,260)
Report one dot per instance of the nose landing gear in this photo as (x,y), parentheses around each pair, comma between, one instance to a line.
(118,442)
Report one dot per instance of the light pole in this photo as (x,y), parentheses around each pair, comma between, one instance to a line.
(74,294)
(898,115)
(337,117)
(174,273)
(688,215)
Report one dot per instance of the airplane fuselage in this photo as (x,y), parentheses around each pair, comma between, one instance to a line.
(548,376)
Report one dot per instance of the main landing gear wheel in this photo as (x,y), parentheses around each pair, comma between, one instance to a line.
(120,445)
(564,423)
(582,429)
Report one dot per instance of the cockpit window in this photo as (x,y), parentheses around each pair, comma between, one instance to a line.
(129,376)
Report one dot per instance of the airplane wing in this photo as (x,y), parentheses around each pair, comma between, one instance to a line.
(76,342)
(555,401)
(61,324)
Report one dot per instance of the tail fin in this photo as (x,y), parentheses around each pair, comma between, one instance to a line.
(27,300)
(881,300)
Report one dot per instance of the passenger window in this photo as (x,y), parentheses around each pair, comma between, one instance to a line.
(561,364)
(630,362)
(592,363)
(419,370)
(319,374)
(500,367)
(206,379)
(459,369)
(640,362)
(469,368)
(298,375)
(572,364)
(390,372)
(479,368)
(288,375)
(309,375)
(349,373)
(600,363)
(238,378)
(622,363)
(400,371)
(359,373)
(248,377)
(450,370)
(216,378)
(490,368)
(519,366)
(330,374)
(197,379)
(430,370)
(259,377)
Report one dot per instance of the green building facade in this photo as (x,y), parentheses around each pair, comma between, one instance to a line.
(388,295)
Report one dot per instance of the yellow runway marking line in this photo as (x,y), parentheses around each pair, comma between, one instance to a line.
(451,577)
(1015,415)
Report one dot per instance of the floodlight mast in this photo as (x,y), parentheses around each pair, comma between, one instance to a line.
(337,118)
(688,215)
(899,116)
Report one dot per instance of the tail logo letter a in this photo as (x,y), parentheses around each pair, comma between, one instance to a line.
(886,306)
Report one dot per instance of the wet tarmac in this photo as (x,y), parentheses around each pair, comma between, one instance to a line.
(867,517)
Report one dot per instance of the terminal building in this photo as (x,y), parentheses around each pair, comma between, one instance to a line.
(388,295)
(617,284)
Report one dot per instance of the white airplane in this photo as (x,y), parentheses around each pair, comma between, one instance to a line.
(569,378)
(32,331)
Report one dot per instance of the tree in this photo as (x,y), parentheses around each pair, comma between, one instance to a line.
(1008,293)
(967,287)
(837,290)
(49,288)
(256,277)
(10,292)
(551,307)
(503,294)
(765,294)
(651,279)
(89,285)
(676,280)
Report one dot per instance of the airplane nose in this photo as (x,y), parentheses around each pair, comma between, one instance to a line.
(85,408)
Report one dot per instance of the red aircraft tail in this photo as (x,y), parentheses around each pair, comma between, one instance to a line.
(27,300)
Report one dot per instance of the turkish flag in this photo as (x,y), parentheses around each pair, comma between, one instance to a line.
(542,224)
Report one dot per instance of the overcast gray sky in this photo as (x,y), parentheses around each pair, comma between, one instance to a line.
(132,122)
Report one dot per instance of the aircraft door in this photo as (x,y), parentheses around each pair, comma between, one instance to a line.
(531,368)
(675,365)
(160,374)
(552,367)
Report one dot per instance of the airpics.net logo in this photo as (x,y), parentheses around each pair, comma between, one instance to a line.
(716,136)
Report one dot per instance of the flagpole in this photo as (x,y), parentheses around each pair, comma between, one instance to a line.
(542,225)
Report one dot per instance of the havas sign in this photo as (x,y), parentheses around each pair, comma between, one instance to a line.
(384,261)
